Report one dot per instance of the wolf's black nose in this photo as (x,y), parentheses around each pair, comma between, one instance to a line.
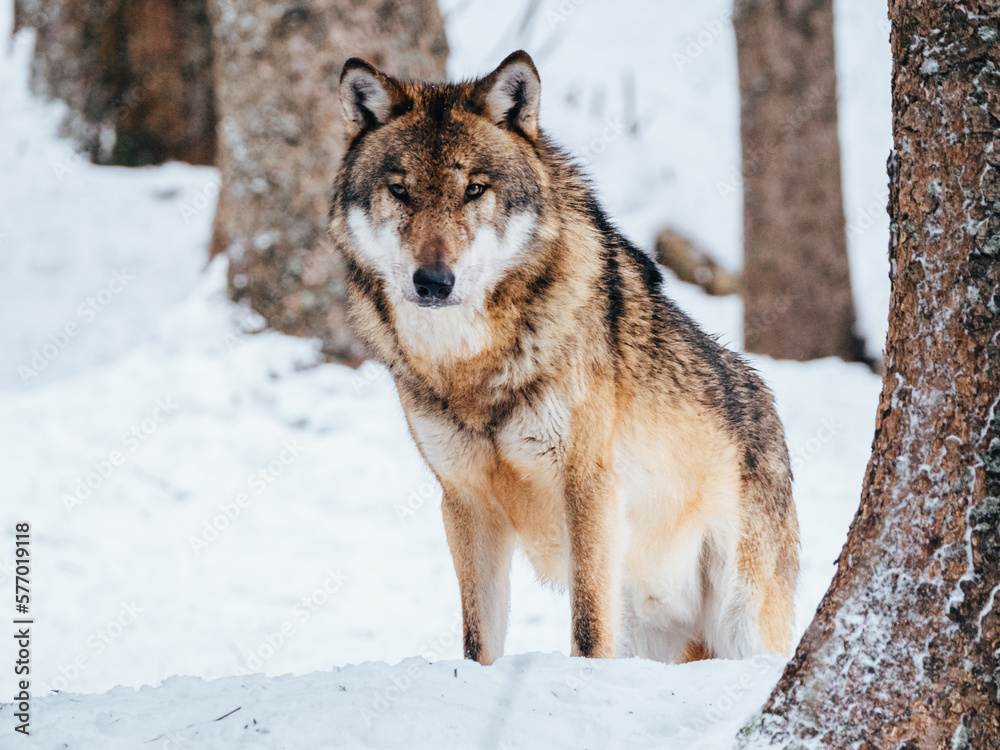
(434,282)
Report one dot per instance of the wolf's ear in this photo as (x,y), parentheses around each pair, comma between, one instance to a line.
(368,96)
(510,94)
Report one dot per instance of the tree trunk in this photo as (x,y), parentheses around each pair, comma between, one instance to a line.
(138,71)
(796,280)
(277,71)
(903,651)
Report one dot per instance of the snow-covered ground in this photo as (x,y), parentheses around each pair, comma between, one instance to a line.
(523,701)
(210,502)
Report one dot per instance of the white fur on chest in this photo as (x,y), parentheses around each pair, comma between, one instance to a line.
(533,441)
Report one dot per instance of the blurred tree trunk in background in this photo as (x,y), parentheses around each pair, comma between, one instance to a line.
(142,87)
(796,279)
(136,75)
(277,71)
(904,651)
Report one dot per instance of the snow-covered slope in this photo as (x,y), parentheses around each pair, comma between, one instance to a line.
(209,501)
(528,701)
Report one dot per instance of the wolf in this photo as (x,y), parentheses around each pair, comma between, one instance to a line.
(563,401)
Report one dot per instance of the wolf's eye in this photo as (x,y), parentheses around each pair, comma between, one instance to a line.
(474,190)
(399,191)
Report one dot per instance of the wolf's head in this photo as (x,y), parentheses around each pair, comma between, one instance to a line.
(441,188)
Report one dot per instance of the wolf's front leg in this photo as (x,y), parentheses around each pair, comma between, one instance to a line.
(481,539)
(593,525)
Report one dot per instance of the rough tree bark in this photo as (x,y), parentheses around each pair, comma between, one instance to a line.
(903,651)
(796,280)
(139,70)
(277,71)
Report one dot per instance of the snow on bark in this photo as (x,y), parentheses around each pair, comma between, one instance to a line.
(903,651)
